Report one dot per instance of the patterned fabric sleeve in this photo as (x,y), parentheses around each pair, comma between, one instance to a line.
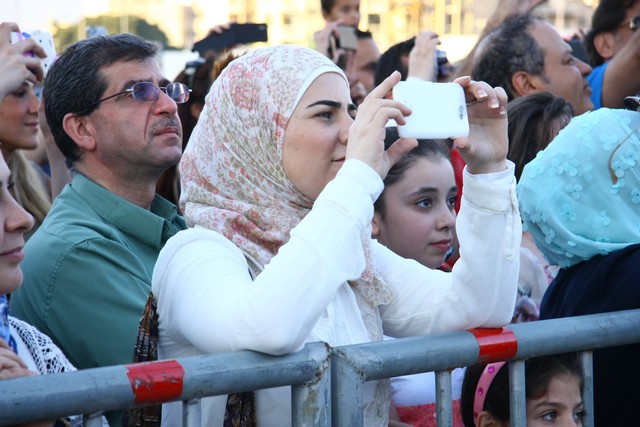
(49,359)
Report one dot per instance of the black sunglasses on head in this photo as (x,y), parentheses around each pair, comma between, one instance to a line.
(633,23)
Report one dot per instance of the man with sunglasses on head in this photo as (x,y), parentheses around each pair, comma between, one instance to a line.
(613,46)
(88,271)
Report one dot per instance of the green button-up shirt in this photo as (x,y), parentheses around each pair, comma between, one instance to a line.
(87,271)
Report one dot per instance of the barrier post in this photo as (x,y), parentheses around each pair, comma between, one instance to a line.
(517,394)
(191,413)
(586,360)
(92,420)
(346,396)
(444,404)
(311,401)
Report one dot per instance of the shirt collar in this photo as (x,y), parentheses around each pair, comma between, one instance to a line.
(153,226)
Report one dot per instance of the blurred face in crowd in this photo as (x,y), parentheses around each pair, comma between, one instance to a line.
(15,222)
(564,74)
(19,120)
(347,10)
(366,58)
(418,215)
(315,140)
(623,33)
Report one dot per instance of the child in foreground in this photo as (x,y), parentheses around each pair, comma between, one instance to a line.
(553,390)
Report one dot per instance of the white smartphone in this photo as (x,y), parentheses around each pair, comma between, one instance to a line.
(45,40)
(439,110)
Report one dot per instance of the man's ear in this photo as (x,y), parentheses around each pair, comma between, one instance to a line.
(524,83)
(375,224)
(80,129)
(486,420)
(604,44)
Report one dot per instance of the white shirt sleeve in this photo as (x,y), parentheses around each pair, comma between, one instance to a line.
(481,289)
(205,294)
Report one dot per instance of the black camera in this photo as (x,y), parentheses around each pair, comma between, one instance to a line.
(632,103)
(348,39)
(442,64)
(235,35)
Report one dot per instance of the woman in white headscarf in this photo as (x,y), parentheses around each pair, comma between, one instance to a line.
(280,252)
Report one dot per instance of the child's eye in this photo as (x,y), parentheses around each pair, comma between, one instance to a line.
(10,184)
(452,201)
(424,203)
(579,416)
(550,416)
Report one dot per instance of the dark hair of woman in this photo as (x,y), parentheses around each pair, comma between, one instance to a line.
(534,120)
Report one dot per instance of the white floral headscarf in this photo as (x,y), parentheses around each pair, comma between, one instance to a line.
(580,197)
(231,172)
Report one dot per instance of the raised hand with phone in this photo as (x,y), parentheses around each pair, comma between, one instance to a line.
(472,113)
(485,149)
(15,66)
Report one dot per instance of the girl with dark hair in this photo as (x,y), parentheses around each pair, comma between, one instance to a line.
(553,392)
(415,214)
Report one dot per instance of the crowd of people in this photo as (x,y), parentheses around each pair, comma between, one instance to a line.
(264,200)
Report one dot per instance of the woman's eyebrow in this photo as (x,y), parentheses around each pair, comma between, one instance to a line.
(424,190)
(333,104)
(328,103)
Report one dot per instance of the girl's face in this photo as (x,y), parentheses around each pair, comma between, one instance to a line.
(19,119)
(347,10)
(560,406)
(315,140)
(15,222)
(418,216)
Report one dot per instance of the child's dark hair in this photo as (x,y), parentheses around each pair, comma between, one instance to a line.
(327,5)
(429,148)
(539,371)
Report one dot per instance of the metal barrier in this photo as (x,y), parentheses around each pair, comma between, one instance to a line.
(318,399)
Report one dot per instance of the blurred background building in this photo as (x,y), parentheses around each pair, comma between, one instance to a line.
(177,24)
(294,21)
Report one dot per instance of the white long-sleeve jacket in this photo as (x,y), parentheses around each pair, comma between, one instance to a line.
(208,302)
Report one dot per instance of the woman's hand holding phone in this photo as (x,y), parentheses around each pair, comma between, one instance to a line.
(367,133)
(485,149)
(15,67)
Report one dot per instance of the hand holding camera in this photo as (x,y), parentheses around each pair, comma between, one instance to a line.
(439,109)
(367,132)
(423,57)
(472,113)
(43,40)
(485,149)
(15,67)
